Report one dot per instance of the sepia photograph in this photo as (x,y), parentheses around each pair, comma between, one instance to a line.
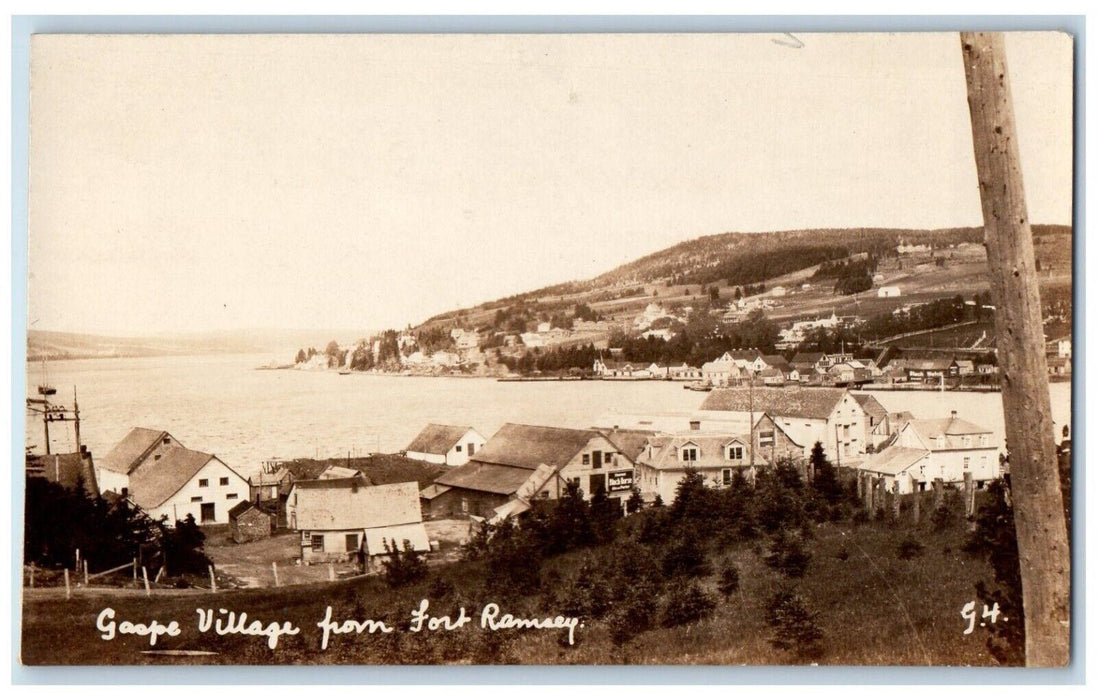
(644,349)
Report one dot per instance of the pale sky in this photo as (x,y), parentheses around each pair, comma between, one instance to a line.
(183,183)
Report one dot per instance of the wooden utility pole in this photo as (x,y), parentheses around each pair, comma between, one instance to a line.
(1038,504)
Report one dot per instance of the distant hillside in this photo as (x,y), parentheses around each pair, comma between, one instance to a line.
(52,345)
(740,259)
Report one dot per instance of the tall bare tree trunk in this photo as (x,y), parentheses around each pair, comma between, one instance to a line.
(1038,503)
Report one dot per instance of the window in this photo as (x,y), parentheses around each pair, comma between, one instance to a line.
(472,448)
(967,463)
(224,481)
(202,483)
(458,448)
(735,452)
(695,425)
(586,459)
(156,458)
(689,454)
(464,505)
(317,543)
(765,437)
(167,441)
(231,496)
(727,477)
(351,542)
(543,494)
(195,499)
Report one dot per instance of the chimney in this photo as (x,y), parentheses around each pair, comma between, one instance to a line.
(954,415)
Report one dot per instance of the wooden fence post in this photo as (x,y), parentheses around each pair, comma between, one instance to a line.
(85,573)
(274,567)
(969,495)
(145,575)
(896,503)
(135,568)
(212,579)
(1042,544)
(32,575)
(938,493)
(917,505)
(68,587)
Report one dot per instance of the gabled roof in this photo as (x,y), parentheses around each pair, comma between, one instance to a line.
(710,448)
(778,362)
(808,358)
(243,507)
(65,469)
(270,478)
(529,446)
(154,485)
(871,405)
(892,460)
(796,402)
(437,439)
(629,442)
(127,454)
(492,478)
(952,429)
(348,504)
(433,491)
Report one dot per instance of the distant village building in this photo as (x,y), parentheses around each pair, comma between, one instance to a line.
(506,462)
(778,291)
(722,373)
(618,369)
(451,445)
(941,448)
(831,416)
(717,456)
(270,485)
(340,519)
(888,292)
(165,479)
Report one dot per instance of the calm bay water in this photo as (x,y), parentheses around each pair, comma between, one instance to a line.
(221,404)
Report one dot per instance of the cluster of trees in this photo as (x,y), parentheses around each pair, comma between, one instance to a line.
(850,276)
(60,520)
(559,359)
(637,573)
(304,355)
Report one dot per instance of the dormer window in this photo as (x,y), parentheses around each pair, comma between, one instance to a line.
(735,452)
(689,454)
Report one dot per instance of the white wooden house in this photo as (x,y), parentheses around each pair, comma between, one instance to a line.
(451,445)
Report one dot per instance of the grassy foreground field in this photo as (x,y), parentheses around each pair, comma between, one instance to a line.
(872,606)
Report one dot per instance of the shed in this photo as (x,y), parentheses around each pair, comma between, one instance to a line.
(249,522)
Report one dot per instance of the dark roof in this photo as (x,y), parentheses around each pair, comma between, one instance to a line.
(807,357)
(65,469)
(339,483)
(437,439)
(630,442)
(778,362)
(529,446)
(931,364)
(243,507)
(127,454)
(155,484)
(492,478)
(794,402)
(872,405)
